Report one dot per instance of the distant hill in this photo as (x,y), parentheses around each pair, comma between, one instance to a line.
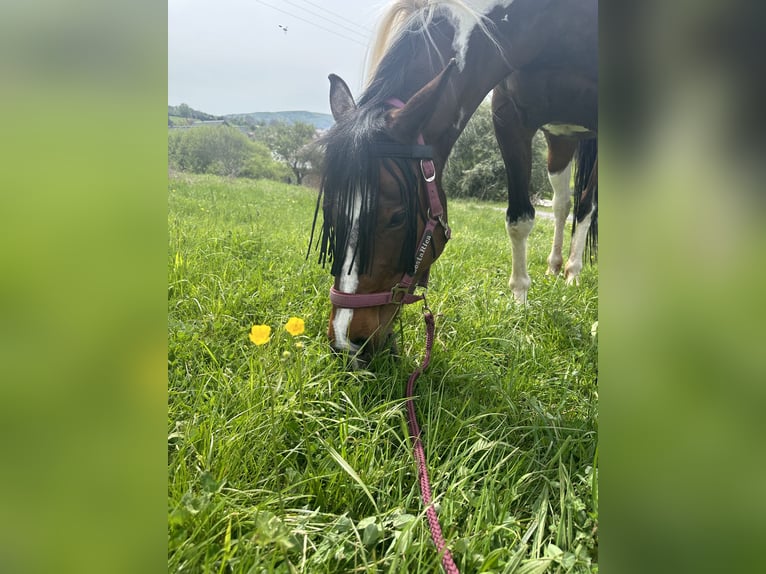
(319,121)
(182,114)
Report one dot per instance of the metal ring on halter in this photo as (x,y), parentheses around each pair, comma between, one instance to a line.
(426,308)
(445,226)
(399,290)
(423,171)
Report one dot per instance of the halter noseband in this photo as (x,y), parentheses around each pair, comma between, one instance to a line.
(402,292)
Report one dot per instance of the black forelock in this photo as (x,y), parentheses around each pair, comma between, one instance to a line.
(351,174)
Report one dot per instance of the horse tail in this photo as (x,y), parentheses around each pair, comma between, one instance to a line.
(586,192)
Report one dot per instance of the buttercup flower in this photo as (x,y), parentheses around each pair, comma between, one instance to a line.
(295,326)
(259,334)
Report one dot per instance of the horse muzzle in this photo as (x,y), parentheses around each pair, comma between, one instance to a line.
(361,343)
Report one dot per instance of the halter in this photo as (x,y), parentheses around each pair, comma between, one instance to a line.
(402,292)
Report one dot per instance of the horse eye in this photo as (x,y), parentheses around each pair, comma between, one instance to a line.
(397,219)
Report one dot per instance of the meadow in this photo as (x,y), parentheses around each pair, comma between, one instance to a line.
(281,460)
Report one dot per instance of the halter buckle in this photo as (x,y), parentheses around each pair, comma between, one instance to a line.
(398,293)
(428,178)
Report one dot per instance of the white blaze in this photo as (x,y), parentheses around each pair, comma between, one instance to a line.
(349,279)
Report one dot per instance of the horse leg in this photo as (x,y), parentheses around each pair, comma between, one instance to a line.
(560,152)
(515,142)
(584,224)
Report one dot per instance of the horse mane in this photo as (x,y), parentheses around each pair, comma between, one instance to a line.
(393,21)
(414,15)
(351,171)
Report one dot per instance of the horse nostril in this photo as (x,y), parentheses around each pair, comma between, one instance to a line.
(358,342)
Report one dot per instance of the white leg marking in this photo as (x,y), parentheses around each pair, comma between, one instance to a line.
(574,264)
(349,281)
(562,203)
(519,281)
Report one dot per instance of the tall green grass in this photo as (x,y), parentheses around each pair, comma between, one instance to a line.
(282,461)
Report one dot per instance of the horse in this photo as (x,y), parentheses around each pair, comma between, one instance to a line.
(385,217)
(567,145)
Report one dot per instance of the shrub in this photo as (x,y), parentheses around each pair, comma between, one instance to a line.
(221,150)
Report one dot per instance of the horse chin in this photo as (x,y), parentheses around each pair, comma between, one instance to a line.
(359,357)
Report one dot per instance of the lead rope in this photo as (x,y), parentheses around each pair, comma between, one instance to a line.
(420,455)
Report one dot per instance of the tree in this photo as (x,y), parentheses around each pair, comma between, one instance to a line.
(291,144)
(261,165)
(476,169)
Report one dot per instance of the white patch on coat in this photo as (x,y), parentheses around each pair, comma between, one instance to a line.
(574,264)
(459,124)
(565,129)
(519,281)
(562,203)
(464,22)
(348,280)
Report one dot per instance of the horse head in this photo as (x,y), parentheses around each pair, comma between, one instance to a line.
(384,217)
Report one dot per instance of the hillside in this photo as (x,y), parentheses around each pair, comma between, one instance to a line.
(184,112)
(320,121)
(184,115)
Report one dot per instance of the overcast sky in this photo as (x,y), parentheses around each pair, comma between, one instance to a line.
(231,56)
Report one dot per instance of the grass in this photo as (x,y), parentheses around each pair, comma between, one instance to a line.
(282,461)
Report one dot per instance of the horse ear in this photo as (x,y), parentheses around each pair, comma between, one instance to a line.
(409,121)
(341,100)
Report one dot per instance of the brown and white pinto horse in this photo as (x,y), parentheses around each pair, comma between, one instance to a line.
(384,212)
(514,132)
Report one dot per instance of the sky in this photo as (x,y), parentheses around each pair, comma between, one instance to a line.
(232,56)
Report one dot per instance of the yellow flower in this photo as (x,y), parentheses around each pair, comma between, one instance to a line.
(295,326)
(259,334)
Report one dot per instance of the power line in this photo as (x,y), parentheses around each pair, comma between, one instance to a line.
(355,31)
(338,16)
(356,41)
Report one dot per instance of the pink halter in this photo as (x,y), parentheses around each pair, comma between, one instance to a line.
(402,292)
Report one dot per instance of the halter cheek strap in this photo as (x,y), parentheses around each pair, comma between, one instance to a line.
(402,292)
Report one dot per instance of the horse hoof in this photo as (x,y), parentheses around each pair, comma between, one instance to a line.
(573,279)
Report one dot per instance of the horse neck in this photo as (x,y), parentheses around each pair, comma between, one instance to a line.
(522,30)
(413,62)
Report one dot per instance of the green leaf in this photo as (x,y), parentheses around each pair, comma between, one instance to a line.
(554,551)
(403,520)
(535,566)
(568,560)
(343,524)
(209,484)
(365,522)
(371,534)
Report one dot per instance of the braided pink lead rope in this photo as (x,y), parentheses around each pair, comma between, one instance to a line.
(420,455)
